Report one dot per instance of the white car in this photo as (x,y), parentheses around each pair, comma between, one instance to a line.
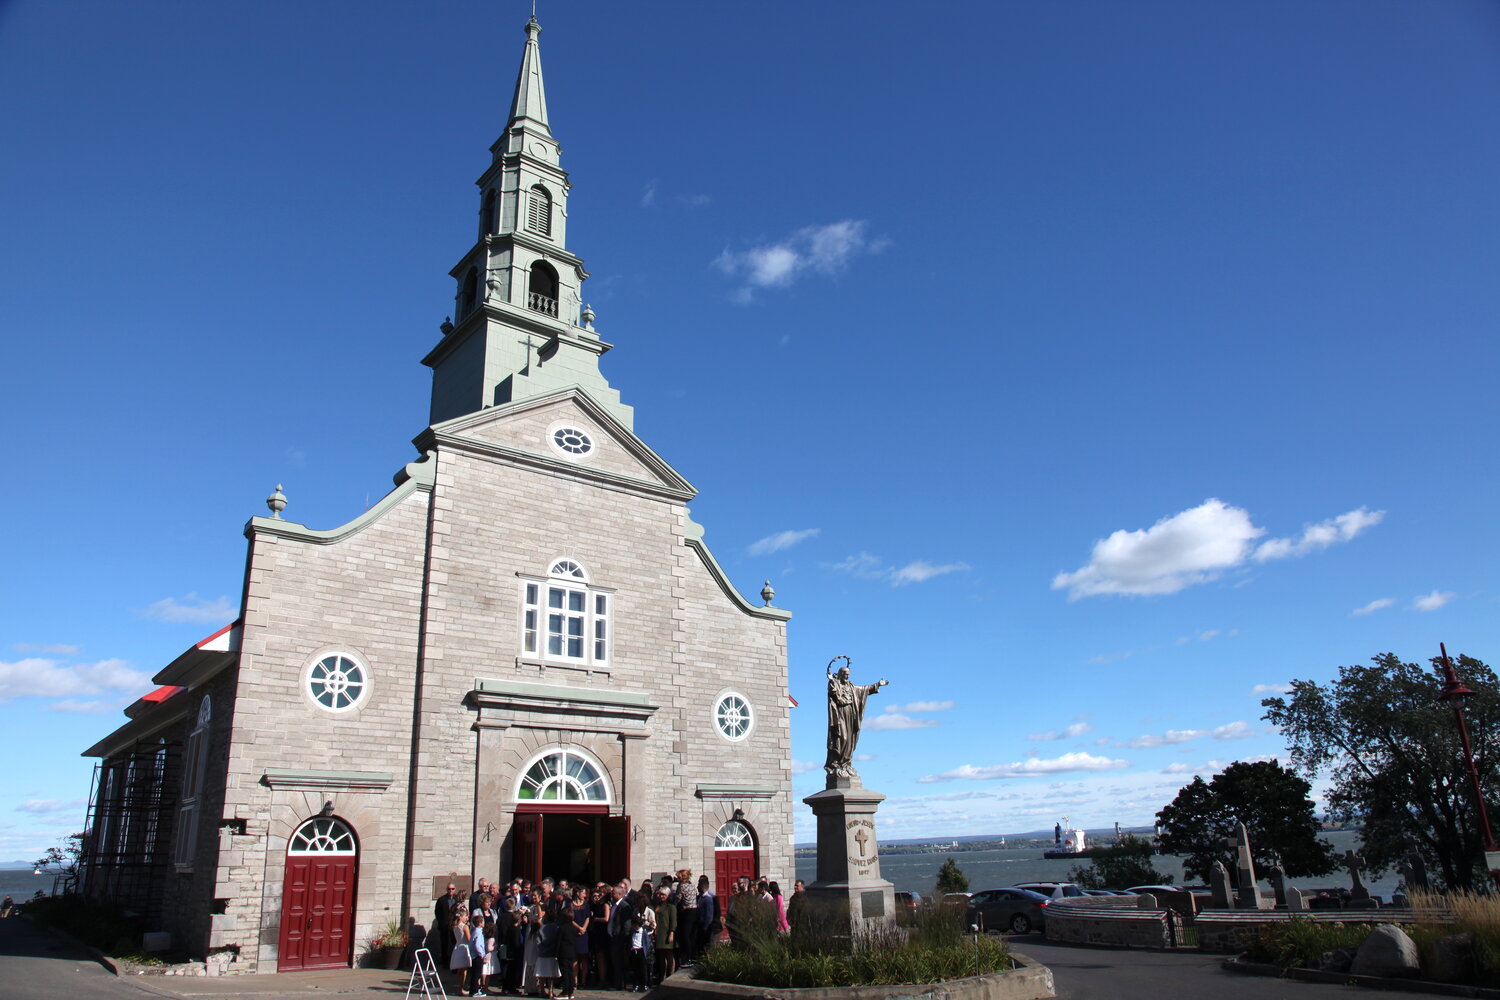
(1053,890)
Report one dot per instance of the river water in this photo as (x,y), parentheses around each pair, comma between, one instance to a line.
(998,868)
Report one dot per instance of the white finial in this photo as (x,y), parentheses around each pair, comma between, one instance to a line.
(277,502)
(588,316)
(767,592)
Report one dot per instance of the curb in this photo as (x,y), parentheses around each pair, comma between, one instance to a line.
(1348,978)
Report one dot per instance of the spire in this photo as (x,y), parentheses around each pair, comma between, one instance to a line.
(531,97)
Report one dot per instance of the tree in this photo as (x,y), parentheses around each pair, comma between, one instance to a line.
(1126,863)
(1270,800)
(1392,755)
(951,878)
(62,859)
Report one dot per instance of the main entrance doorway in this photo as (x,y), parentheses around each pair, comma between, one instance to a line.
(317,897)
(580,843)
(734,855)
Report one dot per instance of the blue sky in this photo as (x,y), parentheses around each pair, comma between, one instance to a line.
(1086,369)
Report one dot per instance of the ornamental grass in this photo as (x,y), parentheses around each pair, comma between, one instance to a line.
(934,947)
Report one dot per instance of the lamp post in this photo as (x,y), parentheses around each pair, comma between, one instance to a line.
(1456,693)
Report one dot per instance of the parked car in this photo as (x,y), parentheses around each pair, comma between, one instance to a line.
(1154,889)
(1053,890)
(1014,909)
(1107,892)
(906,905)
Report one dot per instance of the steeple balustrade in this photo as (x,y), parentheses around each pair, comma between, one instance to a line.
(541,303)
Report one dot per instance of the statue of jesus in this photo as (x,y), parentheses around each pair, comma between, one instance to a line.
(846,710)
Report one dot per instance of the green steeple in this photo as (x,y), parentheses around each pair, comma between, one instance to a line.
(519,328)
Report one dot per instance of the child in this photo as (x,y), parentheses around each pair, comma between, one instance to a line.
(479,952)
(491,957)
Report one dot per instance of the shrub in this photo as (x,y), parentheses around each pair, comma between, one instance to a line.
(930,950)
(102,925)
(1299,943)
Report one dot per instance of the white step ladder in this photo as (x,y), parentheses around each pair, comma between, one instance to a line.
(424,977)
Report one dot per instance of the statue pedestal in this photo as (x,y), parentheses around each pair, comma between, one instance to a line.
(849,891)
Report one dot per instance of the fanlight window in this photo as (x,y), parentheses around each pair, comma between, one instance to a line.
(322,836)
(567,567)
(733,836)
(563,776)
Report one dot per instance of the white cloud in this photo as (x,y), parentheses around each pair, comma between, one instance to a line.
(1374,606)
(39,678)
(1076,761)
(1316,537)
(1066,733)
(897,720)
(870,567)
(921,706)
(921,571)
(1233,731)
(648,196)
(57,648)
(1260,689)
(1196,546)
(781,540)
(1434,600)
(1178,768)
(42,807)
(1152,741)
(803,766)
(191,609)
(83,707)
(821,249)
(863,757)
(1191,547)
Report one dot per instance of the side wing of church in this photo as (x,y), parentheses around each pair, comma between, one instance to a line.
(522,661)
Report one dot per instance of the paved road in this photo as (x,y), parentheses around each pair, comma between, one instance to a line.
(1082,973)
(34,965)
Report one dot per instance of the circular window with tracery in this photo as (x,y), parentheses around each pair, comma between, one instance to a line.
(733,716)
(323,836)
(572,441)
(337,682)
(562,776)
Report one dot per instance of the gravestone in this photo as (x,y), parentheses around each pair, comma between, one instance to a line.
(1218,880)
(1294,903)
(848,890)
(1356,864)
(1277,878)
(1247,897)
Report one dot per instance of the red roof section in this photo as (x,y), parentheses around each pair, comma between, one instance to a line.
(162,693)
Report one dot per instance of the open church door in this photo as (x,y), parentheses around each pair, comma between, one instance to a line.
(526,847)
(614,848)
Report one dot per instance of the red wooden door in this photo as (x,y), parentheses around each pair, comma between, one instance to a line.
(614,848)
(526,847)
(317,913)
(730,865)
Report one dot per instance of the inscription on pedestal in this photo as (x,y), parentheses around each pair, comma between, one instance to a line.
(872,904)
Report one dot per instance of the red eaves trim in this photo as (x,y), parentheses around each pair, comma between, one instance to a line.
(204,642)
(792,700)
(162,693)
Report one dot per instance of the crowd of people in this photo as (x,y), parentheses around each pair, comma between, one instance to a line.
(553,938)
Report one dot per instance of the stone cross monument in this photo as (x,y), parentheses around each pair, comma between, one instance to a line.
(848,888)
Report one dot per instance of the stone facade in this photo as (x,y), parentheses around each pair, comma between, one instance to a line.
(531,595)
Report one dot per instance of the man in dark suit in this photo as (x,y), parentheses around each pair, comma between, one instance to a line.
(443,916)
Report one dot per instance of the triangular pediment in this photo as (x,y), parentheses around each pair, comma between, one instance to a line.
(567,431)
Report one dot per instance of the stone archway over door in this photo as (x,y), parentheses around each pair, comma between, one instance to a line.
(734,855)
(317,897)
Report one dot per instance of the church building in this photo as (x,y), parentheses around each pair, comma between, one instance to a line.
(522,661)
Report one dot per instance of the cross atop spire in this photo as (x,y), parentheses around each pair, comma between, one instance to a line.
(530,101)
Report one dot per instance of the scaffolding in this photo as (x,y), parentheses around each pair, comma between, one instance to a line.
(127,843)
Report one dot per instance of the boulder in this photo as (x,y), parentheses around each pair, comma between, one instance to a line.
(1388,951)
(1449,959)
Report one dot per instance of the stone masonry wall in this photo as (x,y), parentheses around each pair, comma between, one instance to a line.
(360,596)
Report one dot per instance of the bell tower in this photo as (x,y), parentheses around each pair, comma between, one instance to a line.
(519,326)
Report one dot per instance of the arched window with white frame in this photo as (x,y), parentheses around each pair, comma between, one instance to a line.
(563,775)
(565,617)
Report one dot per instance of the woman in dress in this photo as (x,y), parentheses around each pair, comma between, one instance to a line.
(549,939)
(532,927)
(599,902)
(581,913)
(781,922)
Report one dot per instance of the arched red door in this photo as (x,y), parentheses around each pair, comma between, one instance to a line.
(317,897)
(734,856)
